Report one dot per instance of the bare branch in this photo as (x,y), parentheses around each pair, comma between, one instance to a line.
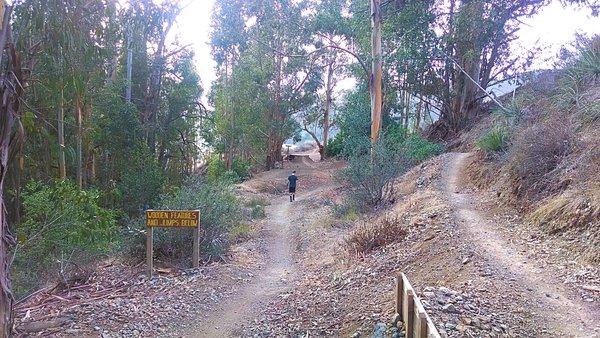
(360,61)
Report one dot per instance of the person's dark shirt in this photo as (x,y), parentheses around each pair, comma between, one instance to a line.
(292,179)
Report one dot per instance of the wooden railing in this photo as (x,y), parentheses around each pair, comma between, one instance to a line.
(416,321)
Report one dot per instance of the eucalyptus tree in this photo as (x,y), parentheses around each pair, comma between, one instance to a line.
(409,44)
(178,116)
(475,51)
(12,86)
(266,34)
(228,41)
(330,29)
(151,24)
(293,72)
(75,42)
(241,121)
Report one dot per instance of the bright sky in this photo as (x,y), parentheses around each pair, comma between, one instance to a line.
(553,27)
(194,27)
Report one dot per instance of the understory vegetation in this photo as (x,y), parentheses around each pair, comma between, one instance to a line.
(220,212)
(368,237)
(549,149)
(372,167)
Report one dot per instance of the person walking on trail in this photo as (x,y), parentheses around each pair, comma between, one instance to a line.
(292,179)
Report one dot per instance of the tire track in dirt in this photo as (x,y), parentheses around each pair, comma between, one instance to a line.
(549,299)
(228,319)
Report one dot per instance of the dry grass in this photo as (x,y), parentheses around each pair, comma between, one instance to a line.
(563,212)
(591,253)
(537,150)
(551,171)
(368,237)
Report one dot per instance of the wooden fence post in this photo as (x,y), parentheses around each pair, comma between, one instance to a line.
(149,249)
(416,322)
(420,324)
(196,251)
(399,292)
(408,312)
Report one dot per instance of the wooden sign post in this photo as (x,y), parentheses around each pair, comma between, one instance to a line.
(172,219)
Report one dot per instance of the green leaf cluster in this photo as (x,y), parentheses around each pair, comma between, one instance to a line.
(495,140)
(61,226)
(220,211)
(59,218)
(240,170)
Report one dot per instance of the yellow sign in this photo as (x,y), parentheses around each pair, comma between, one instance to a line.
(173,218)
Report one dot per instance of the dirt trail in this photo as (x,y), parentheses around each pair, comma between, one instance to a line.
(551,301)
(278,271)
(275,277)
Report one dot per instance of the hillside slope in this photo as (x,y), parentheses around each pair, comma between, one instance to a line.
(461,249)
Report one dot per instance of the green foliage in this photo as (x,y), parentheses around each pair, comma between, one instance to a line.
(354,124)
(582,71)
(219,212)
(257,201)
(355,128)
(252,115)
(586,66)
(257,207)
(335,146)
(142,181)
(416,148)
(240,170)
(515,109)
(60,220)
(396,134)
(370,173)
(348,206)
(258,212)
(216,168)
(239,232)
(494,140)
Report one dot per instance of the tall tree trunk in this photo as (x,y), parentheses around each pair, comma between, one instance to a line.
(328,102)
(228,116)
(92,167)
(319,144)
(129,63)
(79,141)
(418,115)
(448,64)
(11,89)
(62,166)
(277,118)
(274,151)
(406,102)
(375,82)
(468,57)
(152,97)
